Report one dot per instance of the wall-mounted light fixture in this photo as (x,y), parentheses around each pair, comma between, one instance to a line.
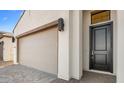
(13,39)
(61,24)
(2,43)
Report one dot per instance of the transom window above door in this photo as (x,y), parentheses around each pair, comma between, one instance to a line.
(100,16)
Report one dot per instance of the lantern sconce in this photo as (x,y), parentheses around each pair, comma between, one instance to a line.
(61,24)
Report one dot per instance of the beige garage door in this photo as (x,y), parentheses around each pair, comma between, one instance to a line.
(39,50)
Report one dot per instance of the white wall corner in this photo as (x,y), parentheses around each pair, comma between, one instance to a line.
(120,46)
(76,44)
(70,41)
(63,51)
(15,52)
(80,44)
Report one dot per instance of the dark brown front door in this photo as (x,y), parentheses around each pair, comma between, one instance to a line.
(101,47)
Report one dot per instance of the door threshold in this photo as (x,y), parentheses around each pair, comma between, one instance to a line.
(101,72)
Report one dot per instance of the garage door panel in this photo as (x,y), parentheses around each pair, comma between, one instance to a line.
(39,50)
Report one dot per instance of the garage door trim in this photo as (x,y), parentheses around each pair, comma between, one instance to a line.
(41,28)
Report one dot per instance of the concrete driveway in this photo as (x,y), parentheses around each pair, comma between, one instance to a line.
(22,74)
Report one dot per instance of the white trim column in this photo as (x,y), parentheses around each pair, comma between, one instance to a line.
(63,51)
(70,47)
(76,47)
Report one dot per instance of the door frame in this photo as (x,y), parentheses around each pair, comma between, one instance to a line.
(90,42)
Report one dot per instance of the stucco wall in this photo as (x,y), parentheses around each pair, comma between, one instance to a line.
(120,46)
(86,24)
(7,49)
(76,46)
(36,18)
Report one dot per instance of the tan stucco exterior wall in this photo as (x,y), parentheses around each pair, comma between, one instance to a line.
(86,24)
(7,49)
